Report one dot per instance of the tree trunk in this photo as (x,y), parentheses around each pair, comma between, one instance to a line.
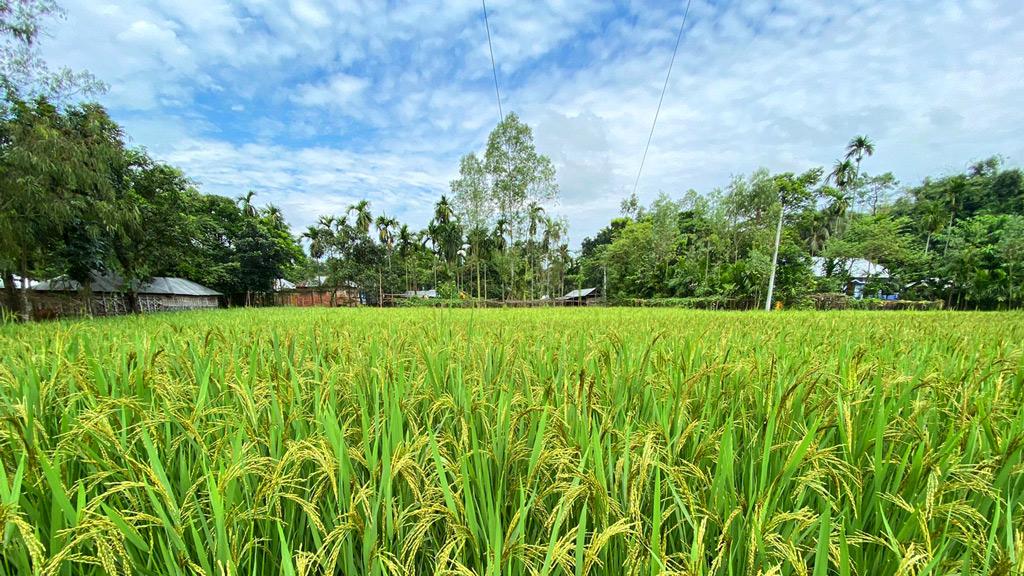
(775,261)
(133,302)
(10,292)
(25,307)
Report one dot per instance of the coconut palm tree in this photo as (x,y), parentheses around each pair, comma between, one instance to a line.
(363,217)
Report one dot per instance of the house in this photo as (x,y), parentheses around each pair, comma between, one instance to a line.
(111,295)
(858,270)
(581,297)
(316,291)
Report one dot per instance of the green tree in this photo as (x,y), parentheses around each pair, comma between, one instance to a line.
(23,72)
(471,193)
(793,192)
(63,178)
(519,176)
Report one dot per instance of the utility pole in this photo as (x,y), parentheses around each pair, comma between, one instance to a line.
(775,261)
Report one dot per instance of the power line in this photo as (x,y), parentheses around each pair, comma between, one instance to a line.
(660,100)
(497,93)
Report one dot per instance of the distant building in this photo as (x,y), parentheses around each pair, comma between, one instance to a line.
(316,291)
(858,270)
(18,282)
(432,293)
(111,295)
(581,297)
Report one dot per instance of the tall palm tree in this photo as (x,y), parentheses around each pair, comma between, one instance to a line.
(274,214)
(406,245)
(501,242)
(479,240)
(844,173)
(245,203)
(501,228)
(857,149)
(534,217)
(933,219)
(405,241)
(384,231)
(443,211)
(315,235)
(535,214)
(553,231)
(565,260)
(363,217)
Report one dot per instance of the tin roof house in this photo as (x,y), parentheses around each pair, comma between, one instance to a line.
(858,270)
(111,295)
(581,297)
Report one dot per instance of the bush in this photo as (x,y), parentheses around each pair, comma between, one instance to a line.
(696,302)
(833,301)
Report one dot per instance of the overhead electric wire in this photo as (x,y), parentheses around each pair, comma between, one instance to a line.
(664,88)
(490,48)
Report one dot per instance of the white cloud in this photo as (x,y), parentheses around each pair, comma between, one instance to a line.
(311,181)
(337,91)
(309,13)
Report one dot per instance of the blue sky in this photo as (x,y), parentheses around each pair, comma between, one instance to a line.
(317,103)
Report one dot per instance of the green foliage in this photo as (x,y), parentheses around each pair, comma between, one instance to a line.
(881,239)
(985,259)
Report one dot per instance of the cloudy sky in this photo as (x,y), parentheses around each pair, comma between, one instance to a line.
(317,103)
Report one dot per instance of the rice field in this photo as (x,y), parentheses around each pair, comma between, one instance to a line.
(513,442)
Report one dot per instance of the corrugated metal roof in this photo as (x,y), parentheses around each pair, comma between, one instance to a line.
(420,293)
(17,282)
(322,282)
(579,294)
(112,283)
(176,286)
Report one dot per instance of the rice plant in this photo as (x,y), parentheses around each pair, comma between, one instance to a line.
(508,442)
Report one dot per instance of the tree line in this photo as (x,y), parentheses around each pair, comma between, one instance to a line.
(493,239)
(956,238)
(78,202)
